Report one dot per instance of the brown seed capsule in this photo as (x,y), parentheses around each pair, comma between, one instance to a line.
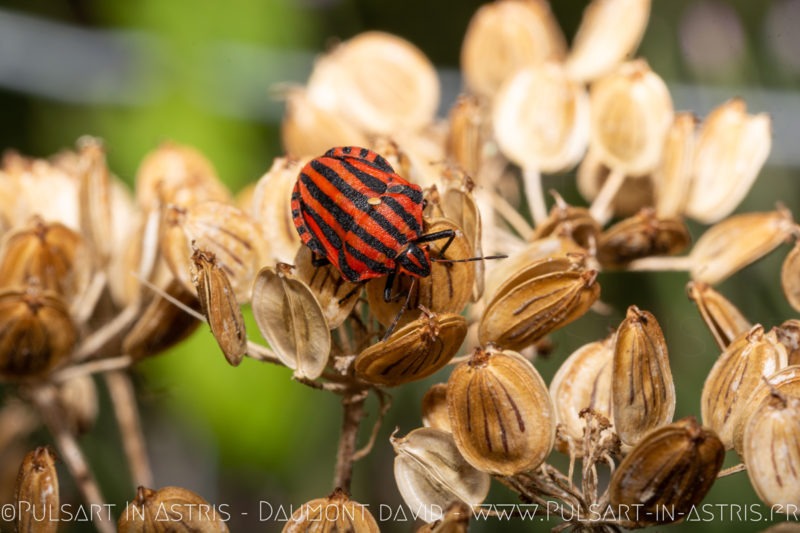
(95,198)
(291,319)
(735,376)
(609,32)
(459,205)
(469,133)
(336,295)
(667,473)
(500,412)
(790,277)
(641,235)
(219,306)
(414,351)
(537,300)
(36,493)
(38,333)
(78,399)
(772,450)
(789,335)
(434,408)
(335,514)
(722,318)
(673,175)
(431,474)
(642,388)
(583,381)
(447,290)
(732,146)
(566,220)
(503,37)
(171,509)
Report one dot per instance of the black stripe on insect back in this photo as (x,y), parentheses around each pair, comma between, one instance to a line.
(331,236)
(400,211)
(376,184)
(374,266)
(344,219)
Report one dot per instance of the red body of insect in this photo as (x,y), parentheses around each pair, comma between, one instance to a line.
(353,210)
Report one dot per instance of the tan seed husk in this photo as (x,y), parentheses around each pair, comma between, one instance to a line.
(95,196)
(336,295)
(459,205)
(668,472)
(219,306)
(434,408)
(501,414)
(565,220)
(635,193)
(414,351)
(171,510)
(790,277)
(789,335)
(673,175)
(641,235)
(468,134)
(335,514)
(722,318)
(37,493)
(643,391)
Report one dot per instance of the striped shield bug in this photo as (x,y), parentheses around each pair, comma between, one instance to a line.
(354,211)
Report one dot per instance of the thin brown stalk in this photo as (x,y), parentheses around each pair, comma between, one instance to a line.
(353,413)
(385,404)
(123,400)
(732,470)
(601,206)
(92,367)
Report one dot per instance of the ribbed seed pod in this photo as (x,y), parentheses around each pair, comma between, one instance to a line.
(537,300)
(641,235)
(501,414)
(582,381)
(790,277)
(171,510)
(643,391)
(722,318)
(336,295)
(570,221)
(732,146)
(431,474)
(503,37)
(469,131)
(434,408)
(667,473)
(414,351)
(95,194)
(673,176)
(789,335)
(335,514)
(734,378)
(772,450)
(36,493)
(459,205)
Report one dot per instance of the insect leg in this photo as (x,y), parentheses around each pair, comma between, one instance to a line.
(319,261)
(448,234)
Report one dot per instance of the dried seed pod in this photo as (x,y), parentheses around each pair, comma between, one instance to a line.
(642,388)
(138,258)
(95,198)
(219,306)
(78,399)
(431,473)
(271,207)
(735,376)
(772,450)
(641,235)
(40,179)
(537,300)
(162,324)
(732,146)
(414,351)
(673,176)
(468,134)
(667,473)
(737,241)
(541,118)
(635,193)
(722,318)
(36,493)
(336,295)
(231,235)
(38,333)
(582,381)
(335,514)
(434,408)
(789,335)
(631,113)
(455,520)
(790,277)
(565,220)
(503,37)
(459,205)
(381,82)
(501,414)
(447,290)
(610,31)
(291,319)
(171,509)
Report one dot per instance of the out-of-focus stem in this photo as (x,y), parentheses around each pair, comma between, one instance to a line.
(601,207)
(123,399)
(532,179)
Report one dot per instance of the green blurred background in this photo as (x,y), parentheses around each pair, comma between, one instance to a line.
(200,72)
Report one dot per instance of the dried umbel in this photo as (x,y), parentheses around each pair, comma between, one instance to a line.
(38,332)
(609,32)
(731,149)
(583,381)
(36,493)
(737,241)
(790,277)
(78,398)
(734,378)
(667,473)
(643,392)
(537,300)
(414,351)
(541,118)
(335,514)
(291,319)
(434,408)
(336,295)
(772,450)
(219,306)
(501,414)
(505,36)
(722,318)
(673,176)
(171,510)
(641,235)
(431,474)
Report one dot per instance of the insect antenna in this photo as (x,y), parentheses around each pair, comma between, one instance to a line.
(439,260)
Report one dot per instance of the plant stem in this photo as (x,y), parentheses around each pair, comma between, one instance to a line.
(732,470)
(532,179)
(662,263)
(353,404)
(601,207)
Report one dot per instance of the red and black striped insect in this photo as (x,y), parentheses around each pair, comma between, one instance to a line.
(354,211)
